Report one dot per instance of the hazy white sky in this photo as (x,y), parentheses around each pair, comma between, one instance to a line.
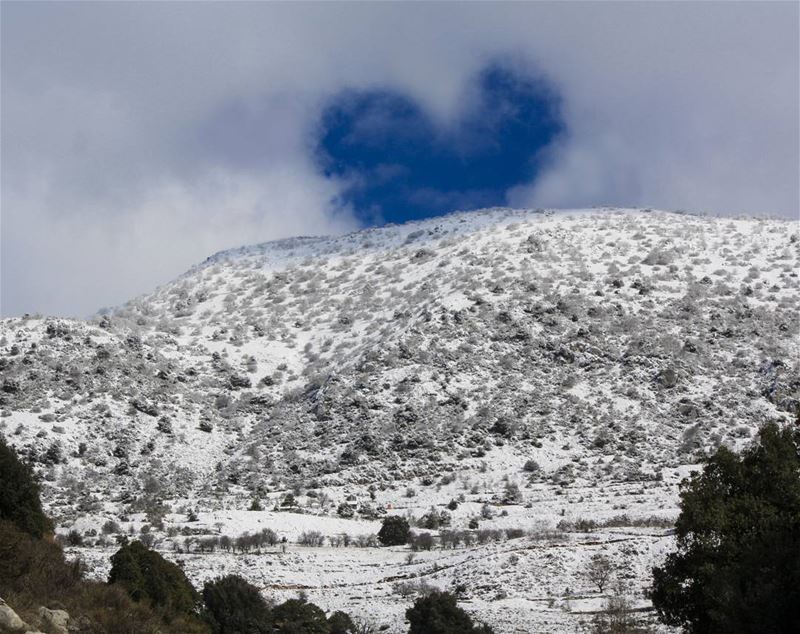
(116,176)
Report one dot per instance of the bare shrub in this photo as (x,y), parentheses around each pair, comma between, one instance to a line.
(599,570)
(311,538)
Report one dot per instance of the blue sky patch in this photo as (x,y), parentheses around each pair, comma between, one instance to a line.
(402,165)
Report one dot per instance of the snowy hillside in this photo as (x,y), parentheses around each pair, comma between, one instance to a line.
(536,372)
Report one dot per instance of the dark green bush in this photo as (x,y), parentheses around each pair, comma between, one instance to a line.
(438,613)
(236,607)
(297,616)
(147,575)
(737,567)
(341,623)
(394,531)
(19,495)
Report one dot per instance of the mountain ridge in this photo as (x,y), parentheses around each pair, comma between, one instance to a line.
(461,216)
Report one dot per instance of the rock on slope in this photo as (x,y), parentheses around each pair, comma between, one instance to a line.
(604,345)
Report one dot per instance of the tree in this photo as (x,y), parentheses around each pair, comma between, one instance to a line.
(394,531)
(147,575)
(19,495)
(599,570)
(438,613)
(297,616)
(236,607)
(341,623)
(737,564)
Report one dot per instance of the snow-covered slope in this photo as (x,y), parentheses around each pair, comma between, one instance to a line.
(402,367)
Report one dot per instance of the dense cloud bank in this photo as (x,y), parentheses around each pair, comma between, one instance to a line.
(122,165)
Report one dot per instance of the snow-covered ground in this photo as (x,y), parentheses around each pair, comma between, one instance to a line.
(588,358)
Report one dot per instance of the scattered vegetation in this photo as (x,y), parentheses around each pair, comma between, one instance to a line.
(398,402)
(34,573)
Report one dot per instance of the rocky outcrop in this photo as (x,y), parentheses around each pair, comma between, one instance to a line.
(54,621)
(51,621)
(10,621)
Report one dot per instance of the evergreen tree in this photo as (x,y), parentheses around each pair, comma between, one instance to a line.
(737,566)
(147,575)
(297,616)
(19,495)
(394,531)
(438,613)
(341,623)
(236,607)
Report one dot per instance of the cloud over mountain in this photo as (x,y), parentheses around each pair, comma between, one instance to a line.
(122,165)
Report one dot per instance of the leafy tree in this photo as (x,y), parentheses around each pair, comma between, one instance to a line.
(147,575)
(437,613)
(297,616)
(19,495)
(236,607)
(341,623)
(395,531)
(737,566)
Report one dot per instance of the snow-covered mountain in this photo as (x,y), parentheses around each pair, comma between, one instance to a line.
(589,357)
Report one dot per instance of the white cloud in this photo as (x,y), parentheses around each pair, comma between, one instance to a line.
(73,260)
(117,172)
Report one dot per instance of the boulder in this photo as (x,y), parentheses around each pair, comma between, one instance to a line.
(55,620)
(10,621)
